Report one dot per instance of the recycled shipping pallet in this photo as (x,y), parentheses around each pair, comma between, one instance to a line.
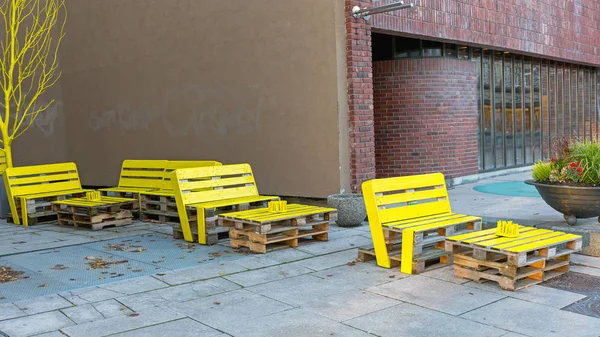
(286,235)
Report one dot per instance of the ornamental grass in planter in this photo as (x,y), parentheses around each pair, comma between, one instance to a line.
(570,183)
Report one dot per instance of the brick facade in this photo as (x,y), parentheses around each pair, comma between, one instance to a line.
(426,117)
(563,30)
(360,97)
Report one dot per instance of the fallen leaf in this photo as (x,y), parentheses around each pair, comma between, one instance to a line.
(43,285)
(352,263)
(72,279)
(329,275)
(217,303)
(133,314)
(19,242)
(137,270)
(160,274)
(7,274)
(2,298)
(90,258)
(358,259)
(220,273)
(392,276)
(59,267)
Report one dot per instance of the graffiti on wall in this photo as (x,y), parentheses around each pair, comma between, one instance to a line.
(206,114)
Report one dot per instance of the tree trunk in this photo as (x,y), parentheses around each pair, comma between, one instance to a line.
(8,154)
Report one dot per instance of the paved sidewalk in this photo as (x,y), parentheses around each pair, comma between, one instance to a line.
(314,290)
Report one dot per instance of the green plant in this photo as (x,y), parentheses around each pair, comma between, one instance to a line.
(541,171)
(587,155)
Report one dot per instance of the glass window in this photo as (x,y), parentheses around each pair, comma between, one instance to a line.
(450,50)
(498,110)
(432,49)
(406,47)
(463,52)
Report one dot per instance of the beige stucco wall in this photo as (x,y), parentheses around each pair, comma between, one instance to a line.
(235,81)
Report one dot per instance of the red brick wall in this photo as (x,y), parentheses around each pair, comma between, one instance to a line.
(360,97)
(565,30)
(426,117)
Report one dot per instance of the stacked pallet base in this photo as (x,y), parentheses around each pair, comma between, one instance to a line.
(264,237)
(512,271)
(428,252)
(163,209)
(95,217)
(40,210)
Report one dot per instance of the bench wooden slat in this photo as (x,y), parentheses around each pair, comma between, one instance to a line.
(435,193)
(424,220)
(543,243)
(414,211)
(495,241)
(526,240)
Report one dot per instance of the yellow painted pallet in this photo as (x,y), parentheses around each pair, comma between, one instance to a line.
(530,246)
(262,221)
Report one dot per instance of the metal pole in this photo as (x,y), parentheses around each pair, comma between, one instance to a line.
(357,12)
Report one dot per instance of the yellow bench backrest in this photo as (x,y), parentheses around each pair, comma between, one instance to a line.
(142,174)
(173,165)
(25,180)
(204,184)
(395,199)
(2,161)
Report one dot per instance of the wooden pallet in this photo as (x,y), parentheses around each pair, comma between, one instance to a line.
(509,277)
(213,235)
(121,194)
(514,263)
(112,213)
(287,235)
(267,227)
(95,226)
(431,257)
(36,218)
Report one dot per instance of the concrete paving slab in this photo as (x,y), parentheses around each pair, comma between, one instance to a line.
(585,270)
(513,334)
(191,291)
(551,297)
(409,320)
(9,310)
(217,311)
(120,324)
(111,308)
(435,294)
(51,334)
(35,324)
(273,258)
(181,328)
(299,290)
(347,305)
(42,304)
(296,322)
(327,261)
(586,261)
(83,314)
(445,274)
(136,285)
(87,295)
(535,320)
(178,294)
(269,274)
(344,233)
(361,275)
(331,246)
(202,272)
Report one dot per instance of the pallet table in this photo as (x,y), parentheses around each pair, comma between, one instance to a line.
(262,230)
(532,257)
(95,214)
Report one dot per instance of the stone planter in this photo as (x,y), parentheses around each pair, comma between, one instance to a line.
(572,201)
(351,209)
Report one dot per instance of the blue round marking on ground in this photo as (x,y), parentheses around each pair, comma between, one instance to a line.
(509,188)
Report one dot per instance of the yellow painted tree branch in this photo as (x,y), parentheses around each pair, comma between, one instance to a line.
(29,65)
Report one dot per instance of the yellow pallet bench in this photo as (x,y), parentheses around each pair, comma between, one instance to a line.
(2,161)
(203,190)
(26,184)
(417,209)
(148,175)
